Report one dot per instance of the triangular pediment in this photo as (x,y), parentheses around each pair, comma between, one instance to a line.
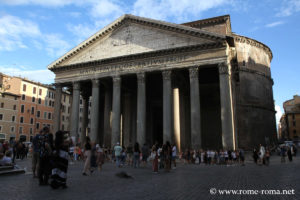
(134,35)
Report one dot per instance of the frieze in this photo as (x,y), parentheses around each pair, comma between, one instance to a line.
(132,66)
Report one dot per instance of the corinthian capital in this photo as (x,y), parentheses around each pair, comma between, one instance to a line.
(76,85)
(141,77)
(194,71)
(223,68)
(167,75)
(117,80)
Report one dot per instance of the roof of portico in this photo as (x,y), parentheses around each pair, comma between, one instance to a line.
(195,32)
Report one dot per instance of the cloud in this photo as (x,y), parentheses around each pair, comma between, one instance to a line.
(163,10)
(278,114)
(288,8)
(43,76)
(55,45)
(274,24)
(105,8)
(13,30)
(51,3)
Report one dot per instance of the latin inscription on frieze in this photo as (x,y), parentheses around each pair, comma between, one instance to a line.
(133,66)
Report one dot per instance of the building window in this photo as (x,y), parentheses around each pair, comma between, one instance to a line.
(21,120)
(30,131)
(1,116)
(63,118)
(21,130)
(295,132)
(31,120)
(23,97)
(49,115)
(80,119)
(63,127)
(40,92)
(22,108)
(12,129)
(45,115)
(40,100)
(16,98)
(38,113)
(46,102)
(33,99)
(0,128)
(2,105)
(293,116)
(294,123)
(34,90)
(80,101)
(32,110)
(15,107)
(13,118)
(24,87)
(37,126)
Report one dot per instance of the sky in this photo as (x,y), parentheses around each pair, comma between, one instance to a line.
(34,33)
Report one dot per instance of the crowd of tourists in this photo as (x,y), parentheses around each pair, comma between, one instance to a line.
(50,158)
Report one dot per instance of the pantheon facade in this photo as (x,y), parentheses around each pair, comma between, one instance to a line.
(197,85)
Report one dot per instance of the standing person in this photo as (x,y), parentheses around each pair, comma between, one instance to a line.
(145,154)
(154,156)
(129,152)
(35,155)
(267,157)
(117,151)
(60,161)
(168,155)
(100,157)
(242,157)
(93,157)
(289,153)
(174,154)
(87,155)
(282,153)
(255,156)
(136,155)
(262,152)
(45,153)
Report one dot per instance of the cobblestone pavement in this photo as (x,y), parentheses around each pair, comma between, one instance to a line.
(186,182)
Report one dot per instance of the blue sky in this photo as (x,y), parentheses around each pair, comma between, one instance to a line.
(34,33)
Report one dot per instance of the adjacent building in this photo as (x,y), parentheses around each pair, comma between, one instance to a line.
(28,106)
(290,121)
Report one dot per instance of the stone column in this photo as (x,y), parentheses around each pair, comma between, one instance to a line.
(226,107)
(116,110)
(75,111)
(141,109)
(84,122)
(167,106)
(95,110)
(127,119)
(107,117)
(195,108)
(57,107)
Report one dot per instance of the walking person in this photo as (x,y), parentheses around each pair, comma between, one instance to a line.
(60,161)
(100,157)
(174,154)
(87,155)
(45,153)
(168,155)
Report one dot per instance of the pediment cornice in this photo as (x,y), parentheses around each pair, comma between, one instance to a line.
(138,20)
(166,52)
